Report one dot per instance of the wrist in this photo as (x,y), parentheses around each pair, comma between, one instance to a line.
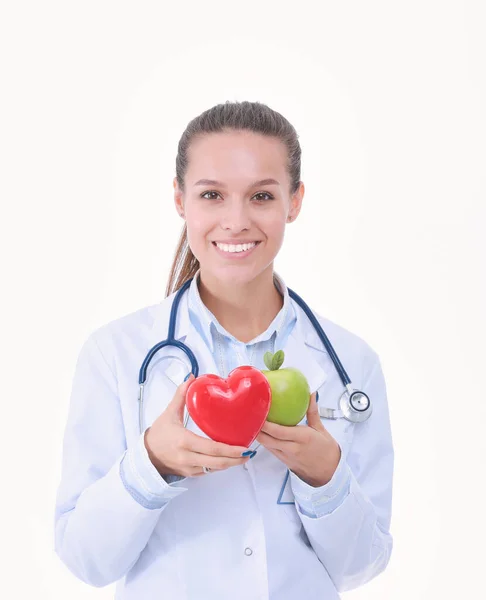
(153,459)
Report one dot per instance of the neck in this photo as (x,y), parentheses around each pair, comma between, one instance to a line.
(244,310)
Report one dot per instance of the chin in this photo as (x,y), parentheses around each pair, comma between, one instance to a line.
(238,274)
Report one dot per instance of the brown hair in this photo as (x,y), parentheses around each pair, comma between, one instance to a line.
(252,116)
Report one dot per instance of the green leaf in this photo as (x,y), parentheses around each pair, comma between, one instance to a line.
(277,360)
(267,359)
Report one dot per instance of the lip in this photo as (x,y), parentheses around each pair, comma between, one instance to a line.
(234,242)
(235,255)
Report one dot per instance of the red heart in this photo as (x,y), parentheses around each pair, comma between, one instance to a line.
(231,410)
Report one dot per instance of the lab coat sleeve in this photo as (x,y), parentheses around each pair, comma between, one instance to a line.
(319,501)
(353,541)
(100,529)
(143,481)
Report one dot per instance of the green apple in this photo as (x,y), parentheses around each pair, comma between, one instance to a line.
(290,391)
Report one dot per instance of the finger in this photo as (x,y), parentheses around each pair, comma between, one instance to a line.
(198,461)
(201,445)
(195,472)
(282,432)
(279,454)
(191,463)
(313,417)
(271,443)
(176,405)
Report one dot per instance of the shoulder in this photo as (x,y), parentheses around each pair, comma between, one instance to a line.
(130,331)
(346,337)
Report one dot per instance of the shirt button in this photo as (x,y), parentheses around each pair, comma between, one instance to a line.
(248,551)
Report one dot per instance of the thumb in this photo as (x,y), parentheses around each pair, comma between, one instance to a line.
(178,402)
(313,417)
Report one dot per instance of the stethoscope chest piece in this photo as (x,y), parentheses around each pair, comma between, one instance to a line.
(355,406)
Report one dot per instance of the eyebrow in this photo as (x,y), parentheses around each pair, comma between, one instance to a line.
(222,185)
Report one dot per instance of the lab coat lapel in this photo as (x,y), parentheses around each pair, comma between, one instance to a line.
(303,351)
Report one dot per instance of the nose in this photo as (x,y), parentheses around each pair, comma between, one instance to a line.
(236,216)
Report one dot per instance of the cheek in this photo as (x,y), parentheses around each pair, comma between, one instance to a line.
(199,227)
(198,222)
(195,237)
(274,228)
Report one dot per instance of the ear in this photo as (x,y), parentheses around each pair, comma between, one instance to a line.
(296,201)
(178,198)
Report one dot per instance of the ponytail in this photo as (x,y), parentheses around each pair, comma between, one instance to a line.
(184,266)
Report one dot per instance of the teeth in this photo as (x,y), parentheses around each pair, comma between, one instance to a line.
(235,248)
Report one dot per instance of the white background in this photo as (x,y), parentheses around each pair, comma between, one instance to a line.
(389,101)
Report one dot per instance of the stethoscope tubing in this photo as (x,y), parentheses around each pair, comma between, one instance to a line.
(171,341)
(323,337)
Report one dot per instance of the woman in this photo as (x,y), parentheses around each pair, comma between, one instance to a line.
(169,513)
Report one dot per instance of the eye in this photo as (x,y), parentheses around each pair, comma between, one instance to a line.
(269,196)
(210,192)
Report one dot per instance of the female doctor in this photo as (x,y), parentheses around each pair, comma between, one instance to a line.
(166,512)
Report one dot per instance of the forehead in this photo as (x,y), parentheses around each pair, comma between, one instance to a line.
(235,157)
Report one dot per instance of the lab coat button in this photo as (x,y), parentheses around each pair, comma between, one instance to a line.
(248,551)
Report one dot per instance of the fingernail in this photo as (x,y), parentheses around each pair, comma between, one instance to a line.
(253,454)
(187,376)
(247,453)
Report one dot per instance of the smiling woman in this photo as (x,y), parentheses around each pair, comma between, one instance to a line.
(184,513)
(246,157)
(249,156)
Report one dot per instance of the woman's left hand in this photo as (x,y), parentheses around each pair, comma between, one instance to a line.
(309,450)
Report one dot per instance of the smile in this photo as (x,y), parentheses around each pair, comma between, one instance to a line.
(235,250)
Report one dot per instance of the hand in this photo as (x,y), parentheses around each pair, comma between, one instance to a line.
(309,450)
(174,450)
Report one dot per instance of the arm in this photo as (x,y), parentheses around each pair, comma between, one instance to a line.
(348,519)
(110,497)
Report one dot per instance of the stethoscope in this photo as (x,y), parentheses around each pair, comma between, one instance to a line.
(353,405)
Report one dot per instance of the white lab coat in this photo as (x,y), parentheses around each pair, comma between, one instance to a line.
(223,535)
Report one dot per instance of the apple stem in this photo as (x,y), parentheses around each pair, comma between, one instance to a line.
(273,362)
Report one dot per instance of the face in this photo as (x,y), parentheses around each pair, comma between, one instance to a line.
(235,215)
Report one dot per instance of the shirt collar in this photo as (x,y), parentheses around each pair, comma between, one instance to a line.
(205,321)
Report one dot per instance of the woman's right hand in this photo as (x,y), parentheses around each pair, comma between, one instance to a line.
(174,450)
